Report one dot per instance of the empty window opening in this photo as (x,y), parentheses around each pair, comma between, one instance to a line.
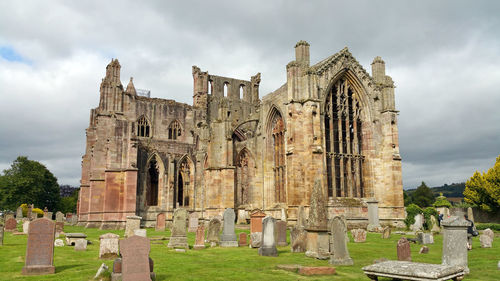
(241,92)
(152,184)
(225,88)
(210,87)
(174,130)
(143,129)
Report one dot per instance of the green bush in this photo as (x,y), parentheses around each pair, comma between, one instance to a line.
(441,202)
(411,211)
(428,212)
(492,226)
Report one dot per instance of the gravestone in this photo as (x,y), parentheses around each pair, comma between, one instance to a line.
(68,217)
(9,215)
(140,232)
(490,233)
(74,219)
(358,235)
(72,237)
(193,222)
(298,240)
(419,219)
(26,226)
(485,241)
(435,226)
(1,230)
(178,239)
(228,237)
(200,238)
(373,218)
(318,244)
(133,223)
(135,264)
(29,212)
(470,214)
(34,215)
(59,217)
(59,228)
(242,242)
(81,245)
(19,213)
(301,218)
(386,232)
(242,216)
(425,238)
(281,231)
(40,248)
(47,215)
(11,224)
(455,241)
(58,243)
(160,222)
(108,246)
(403,249)
(340,254)
(213,232)
(268,247)
(424,250)
(256,228)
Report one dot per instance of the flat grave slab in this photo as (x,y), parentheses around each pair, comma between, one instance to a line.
(406,270)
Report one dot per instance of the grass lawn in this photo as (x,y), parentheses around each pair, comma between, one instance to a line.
(232,263)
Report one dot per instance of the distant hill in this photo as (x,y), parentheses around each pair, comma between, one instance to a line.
(448,190)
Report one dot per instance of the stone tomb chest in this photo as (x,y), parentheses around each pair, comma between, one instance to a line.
(72,237)
(405,270)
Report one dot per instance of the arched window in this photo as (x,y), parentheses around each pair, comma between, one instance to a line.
(343,140)
(241,92)
(174,130)
(226,85)
(143,129)
(278,134)
(210,87)
(152,183)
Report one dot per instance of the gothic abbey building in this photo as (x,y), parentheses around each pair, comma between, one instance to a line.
(331,121)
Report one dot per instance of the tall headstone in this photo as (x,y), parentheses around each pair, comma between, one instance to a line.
(358,235)
(318,244)
(281,231)
(10,225)
(455,241)
(242,241)
(435,226)
(419,220)
(470,214)
(108,246)
(59,217)
(403,250)
(256,228)
(160,222)
(133,223)
(135,259)
(340,254)
(373,218)
(200,238)
(178,238)
(193,222)
(40,248)
(19,213)
(26,227)
(268,247)
(228,237)
(213,232)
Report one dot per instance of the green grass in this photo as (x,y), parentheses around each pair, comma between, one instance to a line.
(232,263)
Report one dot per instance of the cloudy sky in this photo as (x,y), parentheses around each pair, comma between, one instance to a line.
(444,57)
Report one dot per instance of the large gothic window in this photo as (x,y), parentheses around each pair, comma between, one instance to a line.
(343,140)
(143,129)
(279,159)
(174,130)
(244,176)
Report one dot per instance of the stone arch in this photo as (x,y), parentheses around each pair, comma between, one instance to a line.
(175,130)
(184,188)
(154,180)
(144,127)
(275,152)
(245,173)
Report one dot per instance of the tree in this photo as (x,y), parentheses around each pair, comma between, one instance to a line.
(483,190)
(28,181)
(441,201)
(423,196)
(68,204)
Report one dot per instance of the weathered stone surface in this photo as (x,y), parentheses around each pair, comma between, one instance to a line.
(283,215)
(386,232)
(135,258)
(178,239)
(140,232)
(81,245)
(455,242)
(470,214)
(26,227)
(435,226)
(318,220)
(133,223)
(11,224)
(242,241)
(108,246)
(19,213)
(213,231)
(268,247)
(419,219)
(47,215)
(255,239)
(317,244)
(301,218)
(40,248)
(298,240)
(101,271)
(415,271)
(59,217)
(373,218)
(228,236)
(256,221)
(193,222)
(59,243)
(358,235)
(9,215)
(72,237)
(59,228)
(281,233)
(425,238)
(485,241)
(424,250)
(340,255)
(160,222)
(73,220)
(317,270)
(490,233)
(403,249)
(200,238)
(243,216)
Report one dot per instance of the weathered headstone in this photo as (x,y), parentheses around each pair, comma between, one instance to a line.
(470,214)
(242,216)
(108,248)
(298,240)
(29,212)
(386,232)
(135,259)
(26,226)
(34,215)
(40,248)
(68,217)
(200,238)
(11,224)
(133,223)
(403,249)
(178,239)
(281,231)
(213,232)
(59,228)
(373,218)
(358,235)
(242,242)
(435,226)
(81,245)
(256,228)
(74,219)
(268,247)
(19,213)
(9,215)
(228,237)
(455,242)
(301,218)
(140,232)
(485,241)
(318,242)
(425,238)
(419,219)
(193,222)
(59,243)
(160,222)
(424,250)
(59,217)
(340,254)
(490,233)
(47,215)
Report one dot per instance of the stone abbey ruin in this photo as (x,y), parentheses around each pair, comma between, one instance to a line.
(331,121)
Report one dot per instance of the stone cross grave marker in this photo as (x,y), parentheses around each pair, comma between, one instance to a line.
(340,254)
(11,225)
(135,258)
(133,223)
(178,239)
(403,249)
(281,230)
(108,248)
(59,217)
(19,213)
(193,222)
(213,231)
(455,242)
(228,237)
(268,247)
(242,242)
(160,222)
(200,238)
(40,248)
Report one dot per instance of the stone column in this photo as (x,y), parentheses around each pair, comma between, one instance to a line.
(373,219)
(455,242)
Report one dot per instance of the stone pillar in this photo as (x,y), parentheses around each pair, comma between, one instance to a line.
(455,242)
(373,219)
